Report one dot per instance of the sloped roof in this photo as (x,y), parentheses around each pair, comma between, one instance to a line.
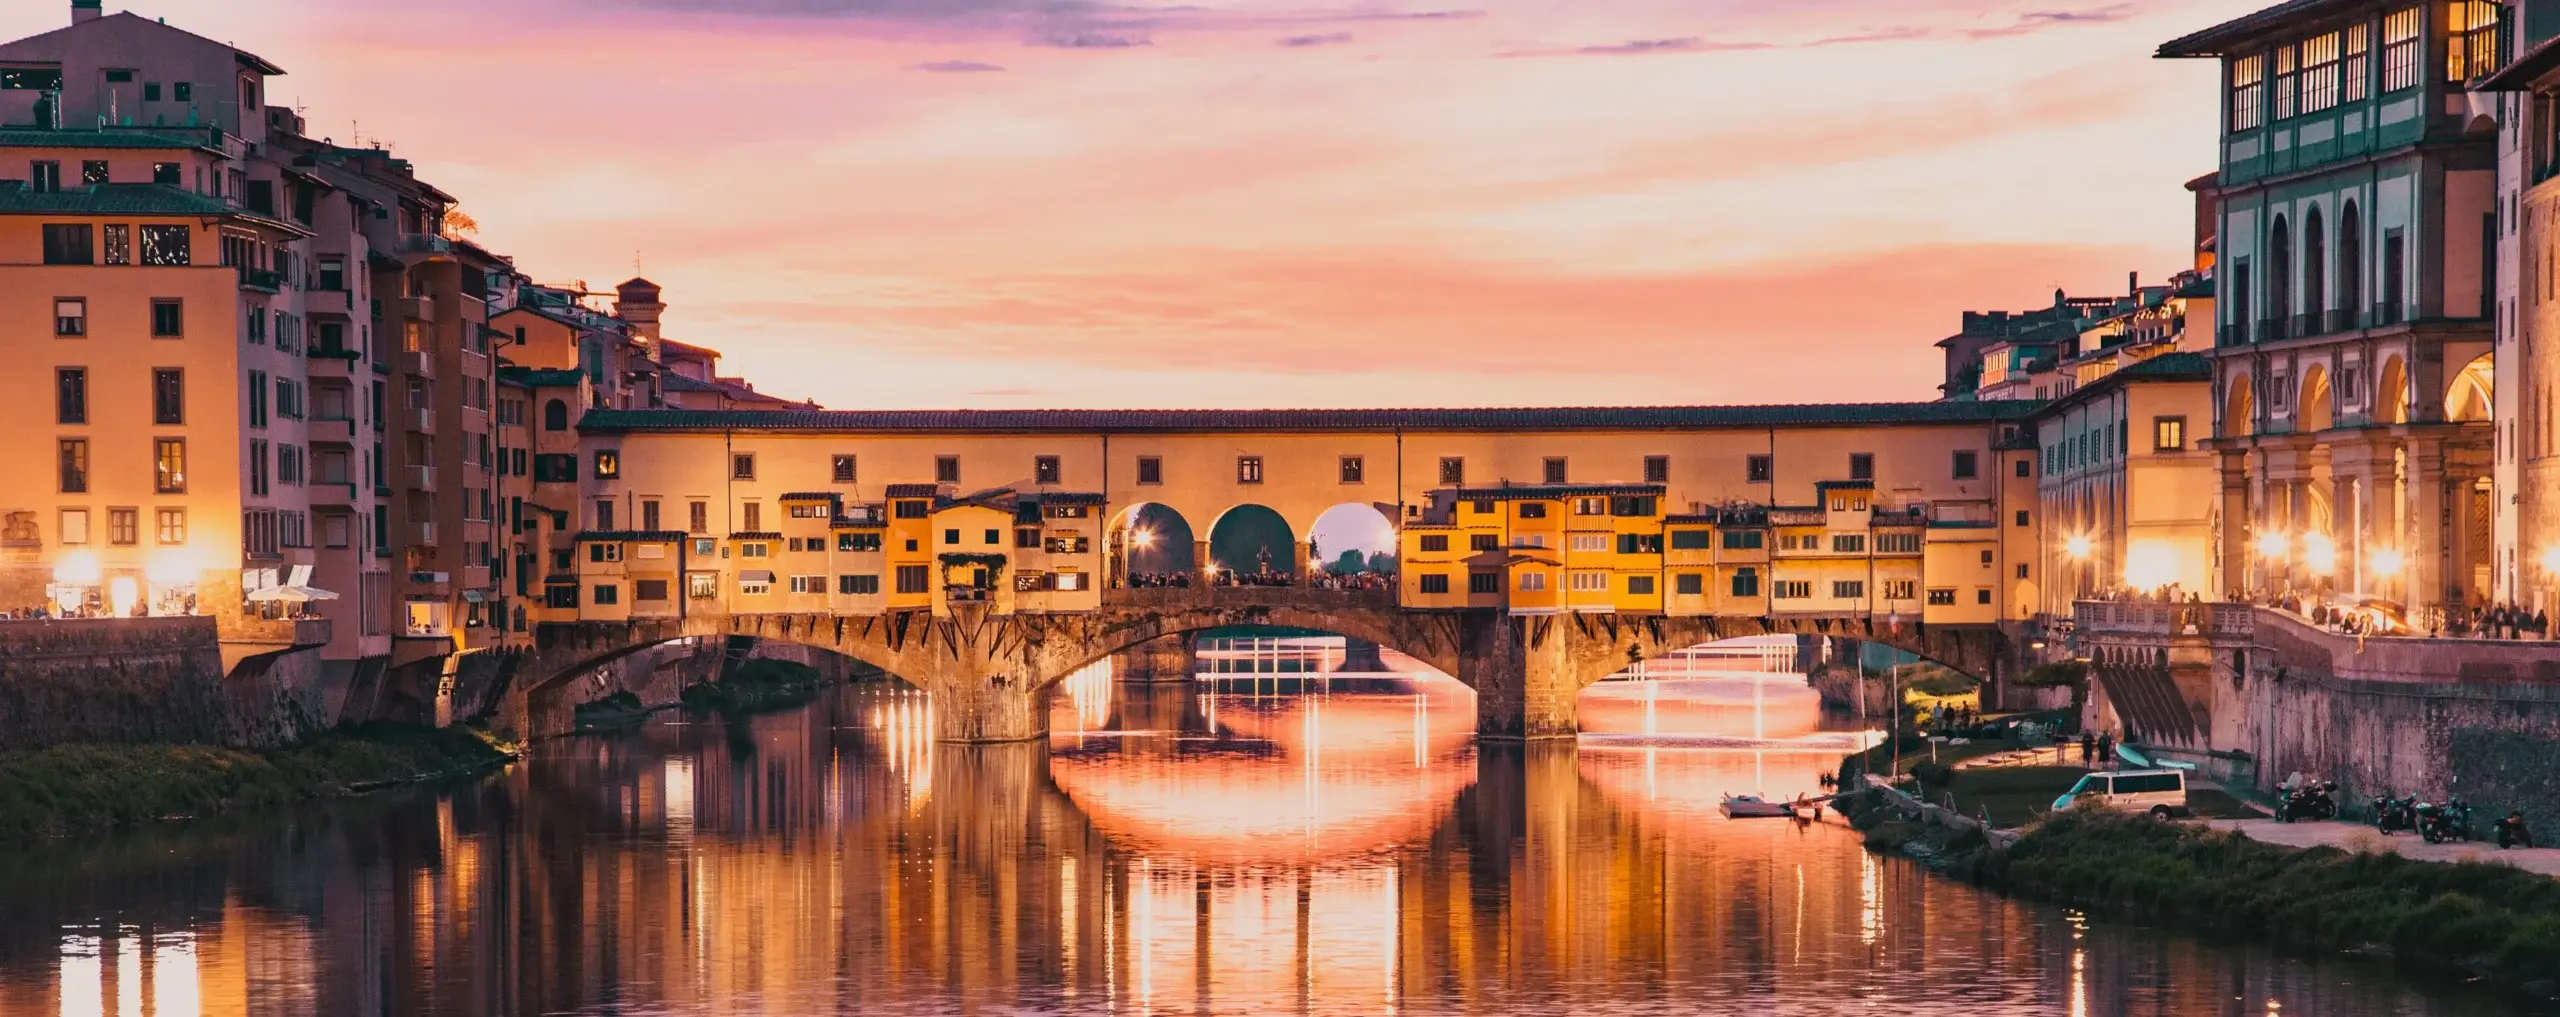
(2218,40)
(26,137)
(1595,418)
(34,48)
(1534,492)
(118,199)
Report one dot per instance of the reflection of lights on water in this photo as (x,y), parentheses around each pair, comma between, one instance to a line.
(1797,939)
(84,992)
(167,961)
(1143,927)
(1067,924)
(174,991)
(2079,983)
(1870,900)
(1392,928)
(906,733)
(678,784)
(1089,689)
(1421,731)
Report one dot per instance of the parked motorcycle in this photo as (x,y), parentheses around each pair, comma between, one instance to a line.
(2441,823)
(2512,832)
(2393,815)
(2309,800)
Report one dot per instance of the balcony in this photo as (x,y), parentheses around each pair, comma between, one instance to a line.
(325,303)
(422,534)
(333,361)
(420,308)
(421,420)
(2310,323)
(2273,329)
(332,493)
(261,280)
(422,478)
(2385,313)
(426,243)
(2343,319)
(418,362)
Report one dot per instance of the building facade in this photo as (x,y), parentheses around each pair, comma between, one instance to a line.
(2527,421)
(2356,246)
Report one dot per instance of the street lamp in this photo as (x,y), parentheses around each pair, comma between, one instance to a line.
(2273,544)
(2077,546)
(1143,538)
(2319,554)
(2387,563)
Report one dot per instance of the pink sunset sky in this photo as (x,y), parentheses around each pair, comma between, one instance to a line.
(1004,203)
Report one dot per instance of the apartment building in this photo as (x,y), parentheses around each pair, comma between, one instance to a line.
(2526,419)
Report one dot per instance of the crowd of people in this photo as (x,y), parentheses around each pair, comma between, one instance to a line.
(1375,581)
(1158,580)
(2492,621)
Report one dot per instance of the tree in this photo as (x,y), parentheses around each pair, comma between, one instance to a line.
(1382,563)
(1352,562)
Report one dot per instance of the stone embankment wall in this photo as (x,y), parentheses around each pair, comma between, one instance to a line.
(2436,717)
(135,680)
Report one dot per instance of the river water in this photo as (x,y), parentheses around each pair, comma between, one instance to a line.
(1256,845)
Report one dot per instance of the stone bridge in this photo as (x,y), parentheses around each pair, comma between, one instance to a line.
(990,674)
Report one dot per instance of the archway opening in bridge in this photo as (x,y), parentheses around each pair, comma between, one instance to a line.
(1151,545)
(2391,393)
(2467,399)
(1353,539)
(1252,545)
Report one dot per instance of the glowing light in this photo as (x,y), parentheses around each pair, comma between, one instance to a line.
(2319,553)
(124,593)
(2551,560)
(173,566)
(2272,545)
(2077,546)
(1143,538)
(2386,562)
(2150,564)
(77,567)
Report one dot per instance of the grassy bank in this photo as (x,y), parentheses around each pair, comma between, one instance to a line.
(2468,920)
(76,789)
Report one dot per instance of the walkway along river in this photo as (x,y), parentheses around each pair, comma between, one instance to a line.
(1262,844)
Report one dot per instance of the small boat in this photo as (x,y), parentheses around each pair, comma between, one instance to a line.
(1754,807)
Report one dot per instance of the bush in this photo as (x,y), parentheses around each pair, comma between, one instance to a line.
(2060,672)
(1937,775)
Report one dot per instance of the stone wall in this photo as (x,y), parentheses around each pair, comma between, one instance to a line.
(132,680)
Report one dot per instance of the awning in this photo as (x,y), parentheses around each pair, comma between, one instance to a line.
(755,577)
(290,594)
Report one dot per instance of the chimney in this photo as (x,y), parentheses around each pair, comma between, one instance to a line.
(2133,282)
(86,10)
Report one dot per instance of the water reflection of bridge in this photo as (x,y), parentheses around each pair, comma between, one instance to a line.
(836,860)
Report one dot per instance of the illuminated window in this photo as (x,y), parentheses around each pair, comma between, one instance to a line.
(2319,72)
(169,465)
(2400,31)
(2168,434)
(2352,86)
(2287,84)
(2248,92)
(2471,40)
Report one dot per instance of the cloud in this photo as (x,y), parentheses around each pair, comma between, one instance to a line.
(1091,39)
(1880,35)
(1641,47)
(955,67)
(2037,21)
(1326,39)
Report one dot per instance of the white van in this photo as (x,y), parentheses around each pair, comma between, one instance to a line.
(2162,793)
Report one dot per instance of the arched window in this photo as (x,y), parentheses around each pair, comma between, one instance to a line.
(555,416)
(2315,284)
(2279,281)
(2350,262)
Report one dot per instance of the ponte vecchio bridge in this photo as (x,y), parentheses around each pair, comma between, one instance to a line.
(986,555)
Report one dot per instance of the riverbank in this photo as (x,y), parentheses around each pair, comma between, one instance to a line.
(76,789)
(2456,920)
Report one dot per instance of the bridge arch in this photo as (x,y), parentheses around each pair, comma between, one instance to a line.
(1351,528)
(1250,539)
(1149,542)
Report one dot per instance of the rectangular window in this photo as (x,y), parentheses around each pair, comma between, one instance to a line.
(2168,434)
(1968,465)
(1555,470)
(68,244)
(701,585)
(563,596)
(1942,597)
(2026,468)
(1791,589)
(1657,469)
(2400,30)
(1587,582)
(1757,470)
(71,395)
(1745,540)
(75,526)
(1453,471)
(604,514)
(698,517)
(1593,543)
(2248,91)
(118,243)
(2288,80)
(1354,469)
(2022,570)
(742,466)
(70,317)
(1248,469)
(1434,582)
(1483,541)
(167,246)
(44,177)
(1689,584)
(912,578)
(2471,40)
(1044,470)
(93,171)
(649,590)
(808,584)
(1982,595)
(74,458)
(751,516)
(841,468)
(168,318)
(1897,543)
(1848,589)
(862,585)
(2022,517)
(168,395)
(1533,510)
(169,465)
(1849,543)
(1434,543)
(2320,72)
(170,526)
(608,464)
(169,173)
(1150,470)
(1746,582)
(1899,589)
(993,538)
(1639,543)
(2352,86)
(1862,466)
(649,515)
(1691,540)
(1484,582)
(185,91)
(1533,581)
(946,469)
(857,542)
(1640,586)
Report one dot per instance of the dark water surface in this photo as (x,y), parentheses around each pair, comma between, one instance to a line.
(1229,849)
